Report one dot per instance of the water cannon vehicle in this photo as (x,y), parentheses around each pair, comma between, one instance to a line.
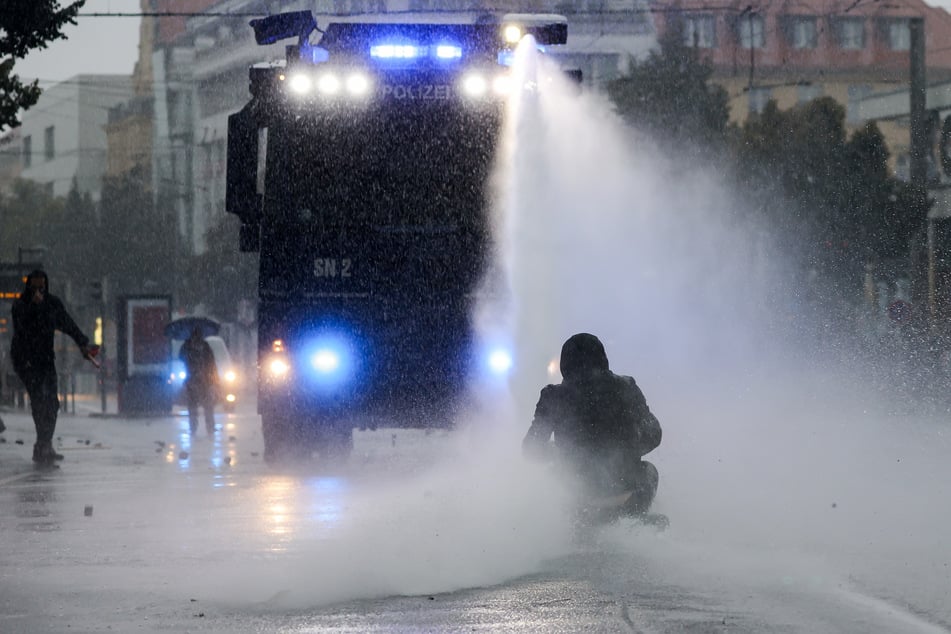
(359,170)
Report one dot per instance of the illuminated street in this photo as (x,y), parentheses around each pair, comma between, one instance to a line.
(393,216)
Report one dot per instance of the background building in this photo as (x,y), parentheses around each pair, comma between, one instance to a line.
(63,138)
(129,127)
(10,161)
(794,51)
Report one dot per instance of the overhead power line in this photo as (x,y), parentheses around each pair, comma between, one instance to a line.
(167,14)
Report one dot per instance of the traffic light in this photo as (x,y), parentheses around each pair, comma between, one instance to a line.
(95,290)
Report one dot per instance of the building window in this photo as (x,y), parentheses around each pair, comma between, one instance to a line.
(899,35)
(700,31)
(803,33)
(27,152)
(903,168)
(807,92)
(751,32)
(857,92)
(49,143)
(758,98)
(851,33)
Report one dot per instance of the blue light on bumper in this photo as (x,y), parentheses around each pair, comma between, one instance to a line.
(330,359)
(499,361)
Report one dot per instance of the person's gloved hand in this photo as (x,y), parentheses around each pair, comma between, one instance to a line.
(90,353)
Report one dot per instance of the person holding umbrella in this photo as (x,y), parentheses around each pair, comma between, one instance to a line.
(201,384)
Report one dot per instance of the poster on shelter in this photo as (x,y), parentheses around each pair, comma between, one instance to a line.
(148,347)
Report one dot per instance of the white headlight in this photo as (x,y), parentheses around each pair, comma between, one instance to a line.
(329,84)
(278,367)
(358,84)
(475,85)
(512,34)
(230,375)
(300,83)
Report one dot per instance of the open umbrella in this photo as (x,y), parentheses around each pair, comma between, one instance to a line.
(182,328)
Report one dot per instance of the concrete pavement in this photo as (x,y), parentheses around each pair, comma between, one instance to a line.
(146,529)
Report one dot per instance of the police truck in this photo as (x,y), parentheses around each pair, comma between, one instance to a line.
(360,171)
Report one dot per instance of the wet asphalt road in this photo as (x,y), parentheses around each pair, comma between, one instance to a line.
(144,529)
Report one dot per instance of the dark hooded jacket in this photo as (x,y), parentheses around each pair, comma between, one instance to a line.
(199,361)
(34,326)
(599,421)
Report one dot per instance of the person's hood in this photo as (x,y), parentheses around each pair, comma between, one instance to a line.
(24,294)
(581,356)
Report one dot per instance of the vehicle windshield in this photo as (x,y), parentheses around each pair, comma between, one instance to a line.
(393,168)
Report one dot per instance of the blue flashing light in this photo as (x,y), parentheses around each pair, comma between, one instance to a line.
(414,51)
(499,361)
(326,360)
(330,359)
(448,51)
(396,51)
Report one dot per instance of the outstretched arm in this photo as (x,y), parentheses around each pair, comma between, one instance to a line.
(64,323)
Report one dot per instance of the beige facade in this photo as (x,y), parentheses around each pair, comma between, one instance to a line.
(792,52)
(129,135)
(129,129)
(846,92)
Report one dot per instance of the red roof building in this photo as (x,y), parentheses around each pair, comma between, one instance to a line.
(810,38)
(793,51)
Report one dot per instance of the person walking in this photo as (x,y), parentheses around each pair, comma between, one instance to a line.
(201,385)
(37,315)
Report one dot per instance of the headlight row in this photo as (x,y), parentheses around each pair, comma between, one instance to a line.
(327,83)
(359,85)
